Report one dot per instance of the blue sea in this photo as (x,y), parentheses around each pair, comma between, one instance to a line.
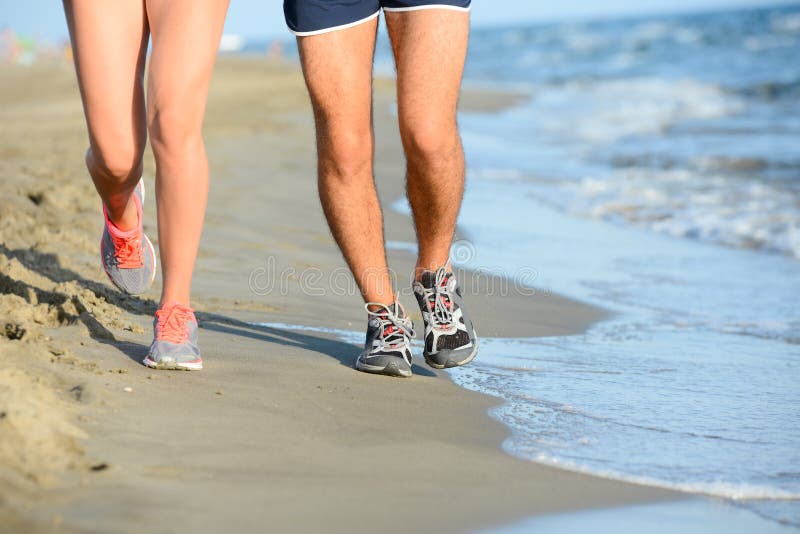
(654,171)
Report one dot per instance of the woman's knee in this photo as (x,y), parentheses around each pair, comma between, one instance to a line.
(115,160)
(174,127)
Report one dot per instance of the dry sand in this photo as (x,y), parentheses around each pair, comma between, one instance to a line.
(278,433)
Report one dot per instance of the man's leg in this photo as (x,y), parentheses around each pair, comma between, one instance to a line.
(430,47)
(338,70)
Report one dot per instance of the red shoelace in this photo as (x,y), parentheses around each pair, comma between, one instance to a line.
(172,323)
(128,251)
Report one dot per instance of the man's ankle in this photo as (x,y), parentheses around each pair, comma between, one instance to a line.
(375,306)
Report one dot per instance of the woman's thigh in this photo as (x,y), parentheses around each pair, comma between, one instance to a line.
(185,36)
(109,41)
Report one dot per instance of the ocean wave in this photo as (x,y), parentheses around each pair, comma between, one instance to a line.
(758,43)
(734,212)
(606,111)
(788,23)
(772,90)
(710,163)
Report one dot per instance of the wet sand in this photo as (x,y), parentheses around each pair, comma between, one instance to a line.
(278,432)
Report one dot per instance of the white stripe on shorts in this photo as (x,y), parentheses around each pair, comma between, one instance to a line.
(334,28)
(428,6)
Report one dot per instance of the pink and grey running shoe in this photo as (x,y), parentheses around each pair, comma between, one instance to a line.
(175,340)
(128,257)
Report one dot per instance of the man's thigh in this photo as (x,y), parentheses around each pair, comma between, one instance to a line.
(430,47)
(337,66)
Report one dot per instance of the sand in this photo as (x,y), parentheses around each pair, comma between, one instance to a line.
(278,433)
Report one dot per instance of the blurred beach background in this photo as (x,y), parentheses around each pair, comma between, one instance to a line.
(646,162)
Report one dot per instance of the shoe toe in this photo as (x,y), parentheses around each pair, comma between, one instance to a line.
(384,365)
(164,355)
(445,359)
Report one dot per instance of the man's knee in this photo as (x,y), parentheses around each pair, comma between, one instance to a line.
(429,140)
(345,153)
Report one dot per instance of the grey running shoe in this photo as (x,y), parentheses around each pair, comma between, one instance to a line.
(175,340)
(128,257)
(450,338)
(387,350)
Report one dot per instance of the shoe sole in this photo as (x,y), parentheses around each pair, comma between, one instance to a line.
(391,369)
(449,364)
(173,366)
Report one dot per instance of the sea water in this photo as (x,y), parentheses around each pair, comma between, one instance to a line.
(694,384)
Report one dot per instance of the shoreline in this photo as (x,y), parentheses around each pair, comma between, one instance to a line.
(288,429)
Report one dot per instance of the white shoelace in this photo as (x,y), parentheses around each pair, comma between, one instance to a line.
(440,294)
(399,328)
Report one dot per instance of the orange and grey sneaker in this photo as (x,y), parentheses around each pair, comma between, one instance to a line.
(175,340)
(128,257)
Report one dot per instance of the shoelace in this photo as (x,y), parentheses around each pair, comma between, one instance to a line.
(172,321)
(394,330)
(439,300)
(128,251)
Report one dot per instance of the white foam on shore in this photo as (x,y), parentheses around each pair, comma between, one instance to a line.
(689,516)
(724,490)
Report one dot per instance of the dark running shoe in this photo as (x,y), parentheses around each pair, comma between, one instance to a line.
(387,350)
(450,338)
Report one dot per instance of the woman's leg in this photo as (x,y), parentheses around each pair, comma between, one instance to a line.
(109,41)
(185,36)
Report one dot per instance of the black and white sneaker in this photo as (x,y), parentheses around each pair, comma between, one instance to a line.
(387,350)
(450,338)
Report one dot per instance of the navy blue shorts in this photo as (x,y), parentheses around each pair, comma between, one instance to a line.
(310,17)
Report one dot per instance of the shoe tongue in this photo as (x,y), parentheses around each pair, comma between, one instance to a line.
(392,309)
(397,309)
(428,279)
